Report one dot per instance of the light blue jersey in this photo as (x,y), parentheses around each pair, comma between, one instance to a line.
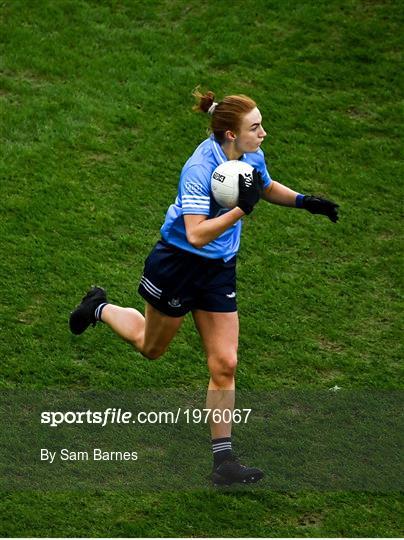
(195,197)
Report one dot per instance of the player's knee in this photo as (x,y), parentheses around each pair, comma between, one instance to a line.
(223,366)
(153,352)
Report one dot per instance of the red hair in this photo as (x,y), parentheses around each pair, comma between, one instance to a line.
(228,113)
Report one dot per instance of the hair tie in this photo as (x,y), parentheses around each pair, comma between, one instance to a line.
(212,108)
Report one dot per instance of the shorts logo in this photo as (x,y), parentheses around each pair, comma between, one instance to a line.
(231,295)
(174,302)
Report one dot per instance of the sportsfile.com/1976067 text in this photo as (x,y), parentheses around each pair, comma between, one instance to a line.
(113,415)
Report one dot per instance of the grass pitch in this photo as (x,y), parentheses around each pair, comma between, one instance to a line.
(96,123)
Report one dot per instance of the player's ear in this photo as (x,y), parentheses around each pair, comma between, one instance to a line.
(230,136)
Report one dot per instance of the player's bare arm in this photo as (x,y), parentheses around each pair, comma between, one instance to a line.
(201,230)
(277,193)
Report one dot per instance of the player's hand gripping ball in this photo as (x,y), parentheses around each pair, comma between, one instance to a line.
(249,191)
(236,183)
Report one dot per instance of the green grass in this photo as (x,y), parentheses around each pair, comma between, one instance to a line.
(96,123)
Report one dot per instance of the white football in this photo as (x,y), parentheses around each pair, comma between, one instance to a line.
(224,181)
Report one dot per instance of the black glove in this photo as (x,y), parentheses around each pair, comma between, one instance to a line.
(250,190)
(317,205)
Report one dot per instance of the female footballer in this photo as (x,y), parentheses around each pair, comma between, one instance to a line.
(193,266)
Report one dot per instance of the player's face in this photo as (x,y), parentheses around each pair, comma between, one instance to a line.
(251,133)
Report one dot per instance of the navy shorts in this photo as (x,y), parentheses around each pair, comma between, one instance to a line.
(175,282)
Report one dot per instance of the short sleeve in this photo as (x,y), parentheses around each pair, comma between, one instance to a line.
(265,176)
(257,160)
(195,191)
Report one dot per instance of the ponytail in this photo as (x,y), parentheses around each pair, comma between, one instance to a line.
(227,114)
(204,101)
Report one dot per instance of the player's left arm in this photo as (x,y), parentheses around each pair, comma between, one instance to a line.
(277,193)
(273,192)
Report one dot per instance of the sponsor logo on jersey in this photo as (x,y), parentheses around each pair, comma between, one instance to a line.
(231,295)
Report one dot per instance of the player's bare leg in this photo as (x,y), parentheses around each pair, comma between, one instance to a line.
(219,333)
(150,334)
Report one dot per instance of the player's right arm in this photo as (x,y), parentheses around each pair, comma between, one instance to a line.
(195,195)
(200,230)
